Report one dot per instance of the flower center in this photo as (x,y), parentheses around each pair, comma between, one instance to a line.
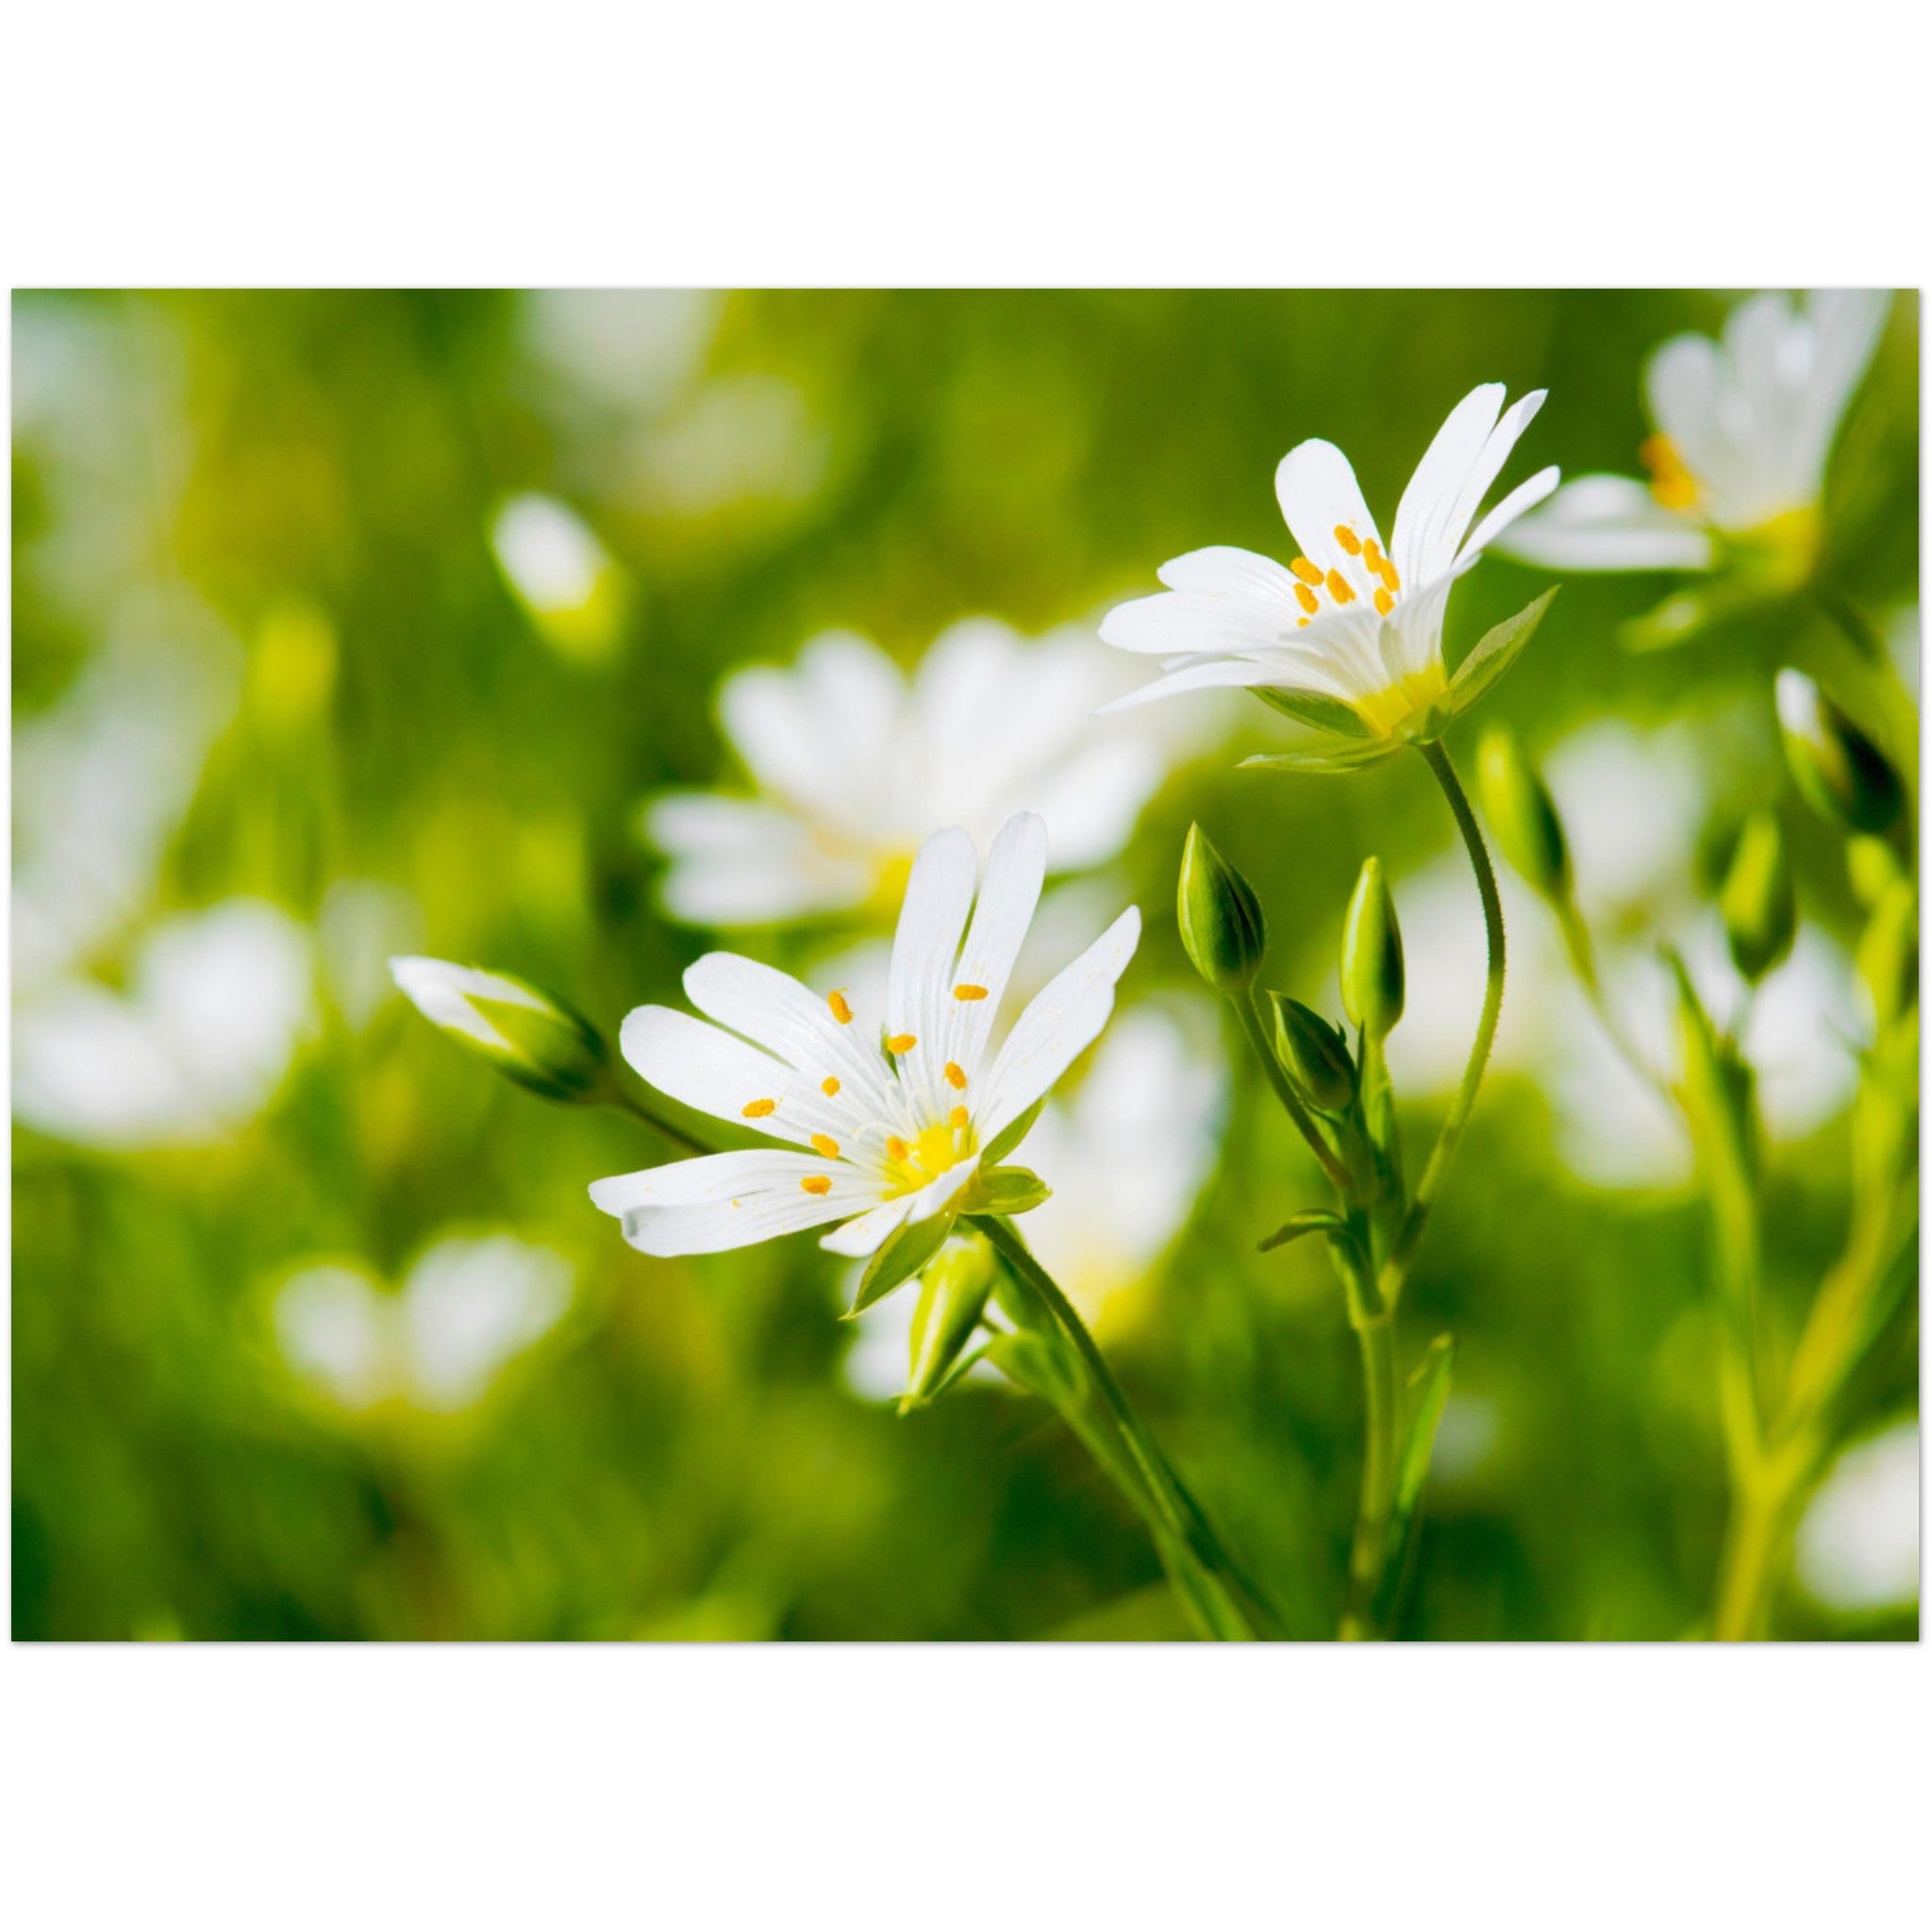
(1367,578)
(1383,710)
(1671,482)
(910,1165)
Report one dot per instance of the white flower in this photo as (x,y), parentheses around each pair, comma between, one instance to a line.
(896,1111)
(468,1306)
(856,764)
(1348,637)
(528,1035)
(1857,1547)
(1743,430)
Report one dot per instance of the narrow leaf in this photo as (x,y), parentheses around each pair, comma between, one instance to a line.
(1305,1221)
(899,1260)
(1010,1135)
(1317,713)
(1494,655)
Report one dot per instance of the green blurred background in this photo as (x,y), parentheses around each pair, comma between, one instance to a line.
(265,653)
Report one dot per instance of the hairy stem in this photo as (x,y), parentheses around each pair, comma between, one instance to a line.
(1248,1009)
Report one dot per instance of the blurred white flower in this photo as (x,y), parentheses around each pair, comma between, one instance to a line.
(1744,428)
(217,1004)
(856,764)
(898,1108)
(1632,804)
(468,1306)
(1347,640)
(632,349)
(364,923)
(1857,1547)
(562,575)
(1126,1156)
(738,438)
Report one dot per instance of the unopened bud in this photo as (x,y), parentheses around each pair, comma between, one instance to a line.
(1888,955)
(1371,979)
(1221,919)
(1314,1056)
(531,1036)
(1758,901)
(952,1298)
(1521,815)
(1838,768)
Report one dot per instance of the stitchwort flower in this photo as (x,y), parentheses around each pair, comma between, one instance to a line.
(894,1120)
(1347,637)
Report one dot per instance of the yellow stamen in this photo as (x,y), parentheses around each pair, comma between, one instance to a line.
(1306,599)
(1349,541)
(1372,556)
(902,1042)
(1382,711)
(817,1184)
(1301,624)
(1309,573)
(1386,571)
(829,1085)
(1384,602)
(956,1076)
(958,1118)
(969,992)
(826,1145)
(758,1110)
(1671,481)
(1340,588)
(840,1012)
(895,1148)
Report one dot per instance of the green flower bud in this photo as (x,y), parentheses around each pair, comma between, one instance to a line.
(952,1298)
(1220,918)
(1371,979)
(1758,901)
(530,1036)
(1888,955)
(1521,815)
(1314,1054)
(1838,768)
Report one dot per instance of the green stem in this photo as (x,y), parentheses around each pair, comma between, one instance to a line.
(1248,1009)
(1582,953)
(1185,1518)
(625,1101)
(1371,1546)
(1437,1172)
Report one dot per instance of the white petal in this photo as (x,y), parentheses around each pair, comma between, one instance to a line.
(722,1200)
(1172,620)
(1608,523)
(869,1232)
(737,861)
(1015,871)
(1050,1035)
(1519,501)
(1846,324)
(1317,493)
(715,1071)
(926,947)
(793,1022)
(1222,570)
(1423,541)
(442,992)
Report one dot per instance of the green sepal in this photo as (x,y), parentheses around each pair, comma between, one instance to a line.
(1495,652)
(1332,716)
(1041,1364)
(1304,1221)
(1008,1191)
(1010,1135)
(898,1259)
(1326,754)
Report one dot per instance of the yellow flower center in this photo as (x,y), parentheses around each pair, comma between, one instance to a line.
(1671,482)
(910,1165)
(1382,711)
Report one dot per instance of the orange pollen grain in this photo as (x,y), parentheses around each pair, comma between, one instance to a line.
(840,1010)
(825,1144)
(902,1042)
(1309,573)
(1306,599)
(1384,602)
(758,1110)
(1340,588)
(1348,540)
(1386,571)
(1371,555)
(969,992)
(829,1085)
(956,1076)
(895,1148)
(957,1118)
(1301,624)
(817,1184)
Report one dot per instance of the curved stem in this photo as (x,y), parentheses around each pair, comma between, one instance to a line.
(642,1110)
(1463,1102)
(1248,1009)
(1185,1518)
(1370,1549)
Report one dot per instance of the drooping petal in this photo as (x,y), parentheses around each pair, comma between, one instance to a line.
(1315,485)
(1608,523)
(1054,1029)
(721,1201)
(1423,541)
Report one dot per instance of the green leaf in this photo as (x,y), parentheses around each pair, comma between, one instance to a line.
(1305,1221)
(1009,1190)
(1040,1364)
(899,1260)
(1429,1386)
(1319,713)
(1493,655)
(1011,1136)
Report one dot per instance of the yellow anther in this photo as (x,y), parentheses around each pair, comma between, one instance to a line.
(829,1085)
(826,1145)
(1340,588)
(958,1118)
(1671,482)
(1384,602)
(1306,599)
(1309,573)
(1386,571)
(817,1184)
(895,1148)
(1301,624)
(956,1076)
(902,1042)
(758,1110)
(969,992)
(1372,556)
(1349,541)
(840,1010)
